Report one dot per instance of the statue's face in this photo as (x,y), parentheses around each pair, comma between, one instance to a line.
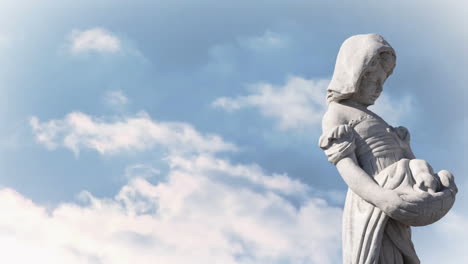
(371,86)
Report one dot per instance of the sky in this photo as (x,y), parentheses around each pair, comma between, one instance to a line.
(186,131)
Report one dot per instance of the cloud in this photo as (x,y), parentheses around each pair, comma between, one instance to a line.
(194,216)
(252,174)
(300,103)
(204,209)
(80,131)
(95,39)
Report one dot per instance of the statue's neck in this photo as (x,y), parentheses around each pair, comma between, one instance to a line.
(355,104)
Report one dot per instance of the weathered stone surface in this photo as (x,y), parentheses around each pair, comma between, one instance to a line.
(389,189)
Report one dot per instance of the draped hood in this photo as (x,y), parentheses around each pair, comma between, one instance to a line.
(356,54)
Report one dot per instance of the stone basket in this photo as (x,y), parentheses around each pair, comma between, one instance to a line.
(427,200)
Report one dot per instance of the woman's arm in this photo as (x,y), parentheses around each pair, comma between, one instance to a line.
(334,127)
(338,143)
(369,190)
(359,181)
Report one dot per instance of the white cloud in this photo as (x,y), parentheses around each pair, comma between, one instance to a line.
(301,103)
(298,104)
(208,165)
(193,217)
(204,210)
(95,39)
(80,131)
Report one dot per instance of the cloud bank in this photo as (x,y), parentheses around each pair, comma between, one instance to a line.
(205,209)
(190,218)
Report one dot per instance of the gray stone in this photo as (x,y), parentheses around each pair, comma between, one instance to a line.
(389,189)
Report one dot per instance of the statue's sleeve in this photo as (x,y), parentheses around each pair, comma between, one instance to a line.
(338,143)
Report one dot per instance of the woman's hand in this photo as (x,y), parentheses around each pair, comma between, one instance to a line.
(391,203)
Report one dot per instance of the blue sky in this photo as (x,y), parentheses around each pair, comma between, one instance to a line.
(164,121)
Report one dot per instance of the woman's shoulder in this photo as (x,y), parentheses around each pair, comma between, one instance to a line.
(338,114)
(338,136)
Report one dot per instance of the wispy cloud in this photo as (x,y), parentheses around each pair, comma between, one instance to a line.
(266,41)
(252,174)
(116,98)
(94,39)
(224,58)
(80,131)
(300,103)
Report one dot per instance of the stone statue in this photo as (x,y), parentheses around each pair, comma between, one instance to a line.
(389,189)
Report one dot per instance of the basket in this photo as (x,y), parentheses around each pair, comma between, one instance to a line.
(421,206)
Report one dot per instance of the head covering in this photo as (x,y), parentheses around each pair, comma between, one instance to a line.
(356,55)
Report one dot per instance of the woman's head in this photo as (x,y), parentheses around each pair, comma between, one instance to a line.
(372,80)
(363,64)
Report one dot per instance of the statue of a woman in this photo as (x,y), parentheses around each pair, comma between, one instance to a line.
(389,190)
